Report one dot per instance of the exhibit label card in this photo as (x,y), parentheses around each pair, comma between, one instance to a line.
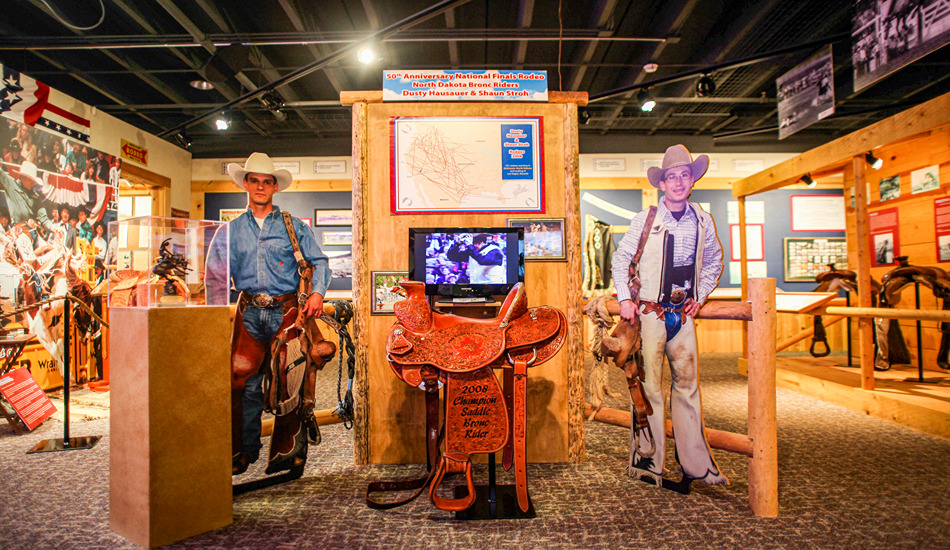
(25,396)
(884,230)
(490,85)
(817,212)
(942,221)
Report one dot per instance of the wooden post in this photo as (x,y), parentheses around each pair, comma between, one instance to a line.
(763,467)
(362,289)
(575,344)
(743,273)
(863,238)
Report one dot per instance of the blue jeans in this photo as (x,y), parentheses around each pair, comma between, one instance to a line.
(262,324)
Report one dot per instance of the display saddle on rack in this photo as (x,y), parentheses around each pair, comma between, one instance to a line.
(426,348)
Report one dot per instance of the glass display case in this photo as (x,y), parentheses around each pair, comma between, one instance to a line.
(164,262)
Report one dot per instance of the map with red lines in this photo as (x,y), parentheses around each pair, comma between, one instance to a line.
(455,164)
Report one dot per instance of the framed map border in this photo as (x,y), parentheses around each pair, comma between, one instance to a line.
(397,179)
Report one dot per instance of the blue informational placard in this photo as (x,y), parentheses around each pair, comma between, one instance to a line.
(517,142)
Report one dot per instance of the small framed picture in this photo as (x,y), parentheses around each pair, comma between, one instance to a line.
(383,295)
(308,221)
(332,217)
(228,214)
(543,238)
(338,238)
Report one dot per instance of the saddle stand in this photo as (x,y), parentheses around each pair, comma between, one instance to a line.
(427,348)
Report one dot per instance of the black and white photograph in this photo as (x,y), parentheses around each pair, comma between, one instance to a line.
(341,263)
(884,249)
(943,242)
(890,188)
(888,34)
(465,258)
(806,93)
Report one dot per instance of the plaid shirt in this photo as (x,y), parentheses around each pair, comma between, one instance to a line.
(684,233)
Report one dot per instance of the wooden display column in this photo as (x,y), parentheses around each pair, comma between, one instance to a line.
(170,436)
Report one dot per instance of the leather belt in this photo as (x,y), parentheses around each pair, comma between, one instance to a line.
(266,301)
(660,309)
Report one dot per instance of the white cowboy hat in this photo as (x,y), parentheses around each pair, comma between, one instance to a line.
(678,155)
(261,164)
(28,170)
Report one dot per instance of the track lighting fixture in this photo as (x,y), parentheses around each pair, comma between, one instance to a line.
(583,115)
(646,101)
(183,139)
(275,104)
(807,180)
(705,86)
(366,55)
(875,162)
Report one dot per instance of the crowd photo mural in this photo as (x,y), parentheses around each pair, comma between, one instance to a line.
(57,197)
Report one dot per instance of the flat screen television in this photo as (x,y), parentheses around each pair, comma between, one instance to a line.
(466,262)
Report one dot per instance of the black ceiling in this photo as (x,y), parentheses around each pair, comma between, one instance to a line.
(137,63)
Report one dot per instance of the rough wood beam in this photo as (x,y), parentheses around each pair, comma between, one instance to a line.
(525,15)
(452,44)
(914,121)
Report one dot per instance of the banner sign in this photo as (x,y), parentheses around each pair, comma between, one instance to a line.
(134,152)
(28,102)
(886,35)
(26,397)
(489,85)
(806,94)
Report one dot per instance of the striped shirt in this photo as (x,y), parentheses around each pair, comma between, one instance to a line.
(684,233)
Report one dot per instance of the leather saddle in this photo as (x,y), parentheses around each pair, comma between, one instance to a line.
(427,348)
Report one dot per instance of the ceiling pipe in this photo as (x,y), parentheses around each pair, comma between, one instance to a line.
(415,19)
(752,59)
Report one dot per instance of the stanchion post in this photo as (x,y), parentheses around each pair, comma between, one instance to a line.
(763,466)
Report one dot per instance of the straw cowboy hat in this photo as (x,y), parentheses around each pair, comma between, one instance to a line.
(678,155)
(261,164)
(28,170)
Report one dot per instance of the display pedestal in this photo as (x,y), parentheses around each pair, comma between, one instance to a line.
(170,436)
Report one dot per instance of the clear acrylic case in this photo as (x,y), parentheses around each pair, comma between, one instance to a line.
(166,262)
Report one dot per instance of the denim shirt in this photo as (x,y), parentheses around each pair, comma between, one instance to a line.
(262,259)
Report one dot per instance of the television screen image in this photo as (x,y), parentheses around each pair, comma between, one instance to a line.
(476,258)
(463,262)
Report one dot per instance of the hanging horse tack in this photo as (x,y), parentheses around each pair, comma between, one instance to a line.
(892,284)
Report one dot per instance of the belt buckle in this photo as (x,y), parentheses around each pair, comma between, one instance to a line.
(262,300)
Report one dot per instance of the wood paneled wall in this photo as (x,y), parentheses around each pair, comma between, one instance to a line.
(393,416)
(917,229)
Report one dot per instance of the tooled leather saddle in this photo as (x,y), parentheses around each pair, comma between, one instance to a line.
(427,348)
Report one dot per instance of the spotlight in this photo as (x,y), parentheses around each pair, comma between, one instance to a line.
(274,103)
(807,180)
(706,86)
(583,115)
(183,139)
(366,55)
(875,162)
(201,85)
(223,122)
(651,67)
(646,101)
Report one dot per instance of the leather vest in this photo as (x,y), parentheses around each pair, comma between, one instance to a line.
(652,264)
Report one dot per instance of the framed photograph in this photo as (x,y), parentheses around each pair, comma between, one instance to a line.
(308,221)
(806,257)
(341,263)
(337,238)
(543,238)
(228,214)
(332,217)
(383,295)
(890,188)
(925,179)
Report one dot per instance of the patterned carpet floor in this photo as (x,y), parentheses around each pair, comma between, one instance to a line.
(846,480)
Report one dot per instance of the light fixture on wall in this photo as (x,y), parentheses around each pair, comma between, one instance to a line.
(807,180)
(874,161)
(646,101)
(705,86)
(223,122)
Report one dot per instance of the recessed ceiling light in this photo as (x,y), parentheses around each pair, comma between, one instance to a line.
(202,84)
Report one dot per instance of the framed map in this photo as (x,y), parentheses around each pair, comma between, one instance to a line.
(806,257)
(467,164)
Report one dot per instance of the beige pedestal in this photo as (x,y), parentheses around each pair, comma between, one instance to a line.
(170,435)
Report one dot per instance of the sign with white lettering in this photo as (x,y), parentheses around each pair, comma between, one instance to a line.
(485,85)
